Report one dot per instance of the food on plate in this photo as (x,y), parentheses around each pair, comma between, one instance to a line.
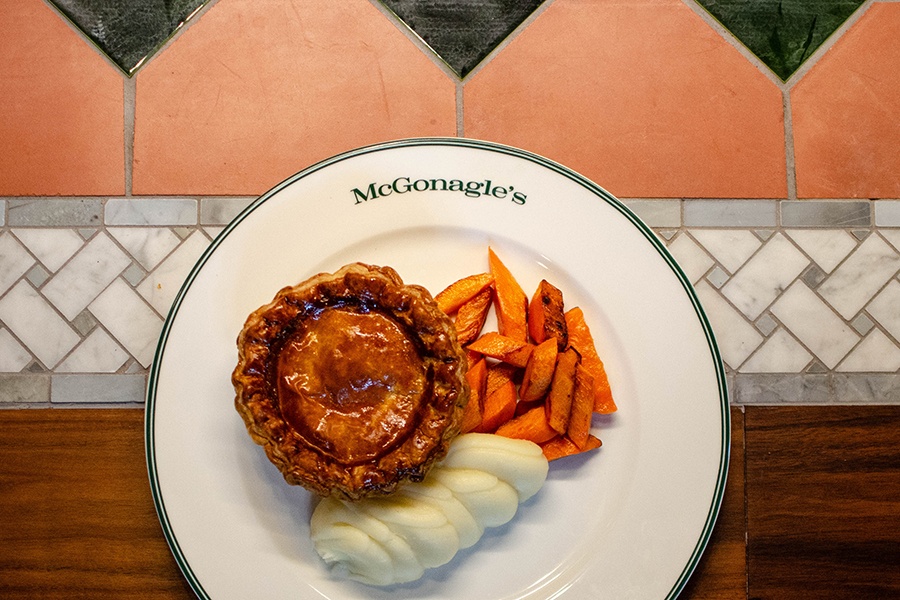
(353,382)
(417,429)
(546,318)
(581,339)
(544,376)
(510,300)
(393,539)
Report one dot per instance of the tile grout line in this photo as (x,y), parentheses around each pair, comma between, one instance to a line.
(130,93)
(789,158)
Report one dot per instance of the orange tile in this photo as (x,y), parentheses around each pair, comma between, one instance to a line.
(846,113)
(643,97)
(257,90)
(61,108)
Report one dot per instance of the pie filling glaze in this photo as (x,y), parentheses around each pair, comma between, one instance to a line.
(352,382)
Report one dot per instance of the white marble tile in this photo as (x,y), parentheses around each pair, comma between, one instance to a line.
(213,231)
(161,286)
(129,319)
(731,247)
(98,353)
(97,389)
(885,308)
(815,324)
(764,276)
(13,356)
(827,247)
(89,271)
(151,211)
(691,257)
(14,261)
(892,236)
(860,276)
(887,213)
(876,353)
(781,353)
(53,247)
(736,338)
(36,324)
(148,245)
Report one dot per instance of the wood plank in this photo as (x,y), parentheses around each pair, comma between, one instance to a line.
(722,571)
(823,501)
(76,516)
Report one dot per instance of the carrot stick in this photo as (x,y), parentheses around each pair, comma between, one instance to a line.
(476,377)
(539,371)
(561,446)
(471,316)
(546,317)
(499,407)
(518,358)
(459,292)
(499,374)
(511,301)
(495,345)
(531,425)
(582,407)
(559,398)
(582,341)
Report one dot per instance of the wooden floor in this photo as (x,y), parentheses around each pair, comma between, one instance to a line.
(812,507)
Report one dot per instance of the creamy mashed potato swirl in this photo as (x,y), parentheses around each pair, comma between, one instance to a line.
(393,539)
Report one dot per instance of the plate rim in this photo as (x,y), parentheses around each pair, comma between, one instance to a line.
(721,379)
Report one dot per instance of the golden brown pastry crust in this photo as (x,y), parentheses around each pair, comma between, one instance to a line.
(351,429)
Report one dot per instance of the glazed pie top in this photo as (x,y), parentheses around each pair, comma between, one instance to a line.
(352,381)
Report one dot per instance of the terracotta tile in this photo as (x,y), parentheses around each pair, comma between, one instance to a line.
(642,97)
(845,113)
(61,122)
(257,90)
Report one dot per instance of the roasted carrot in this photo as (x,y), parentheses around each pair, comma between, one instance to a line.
(582,407)
(471,316)
(539,371)
(510,300)
(498,375)
(495,345)
(546,316)
(582,341)
(561,446)
(476,377)
(559,399)
(459,292)
(518,358)
(531,425)
(499,407)
(523,407)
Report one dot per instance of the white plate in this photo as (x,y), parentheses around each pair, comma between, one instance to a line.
(627,521)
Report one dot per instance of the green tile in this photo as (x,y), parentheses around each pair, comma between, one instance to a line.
(129,32)
(782,33)
(462,32)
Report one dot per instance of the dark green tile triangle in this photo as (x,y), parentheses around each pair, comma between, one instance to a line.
(129,31)
(782,33)
(462,32)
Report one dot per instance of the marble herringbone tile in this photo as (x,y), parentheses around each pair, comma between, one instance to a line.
(834,300)
(77,300)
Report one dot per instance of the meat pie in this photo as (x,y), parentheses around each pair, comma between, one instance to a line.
(352,382)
